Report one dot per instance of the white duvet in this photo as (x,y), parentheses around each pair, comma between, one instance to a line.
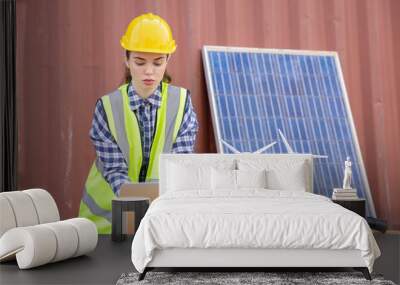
(250,219)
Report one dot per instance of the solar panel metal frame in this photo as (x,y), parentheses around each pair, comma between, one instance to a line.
(211,96)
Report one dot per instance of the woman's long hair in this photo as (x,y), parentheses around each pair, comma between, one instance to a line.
(128,78)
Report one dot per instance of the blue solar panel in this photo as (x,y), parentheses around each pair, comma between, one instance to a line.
(255,92)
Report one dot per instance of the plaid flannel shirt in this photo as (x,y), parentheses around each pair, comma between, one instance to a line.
(108,151)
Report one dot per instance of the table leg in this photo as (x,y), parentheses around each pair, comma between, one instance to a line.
(116,227)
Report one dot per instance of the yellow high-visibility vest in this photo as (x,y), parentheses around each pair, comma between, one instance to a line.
(97,196)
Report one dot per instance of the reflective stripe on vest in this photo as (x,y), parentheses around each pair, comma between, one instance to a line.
(123,125)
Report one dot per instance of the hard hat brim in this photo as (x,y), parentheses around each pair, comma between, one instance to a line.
(150,50)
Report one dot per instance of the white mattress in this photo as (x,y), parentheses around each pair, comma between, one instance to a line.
(250,218)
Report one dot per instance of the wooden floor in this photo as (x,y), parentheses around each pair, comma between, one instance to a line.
(110,260)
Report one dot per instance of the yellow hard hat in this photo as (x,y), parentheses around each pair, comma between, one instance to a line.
(148,33)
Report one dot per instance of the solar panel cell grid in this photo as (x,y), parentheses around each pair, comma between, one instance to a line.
(255,92)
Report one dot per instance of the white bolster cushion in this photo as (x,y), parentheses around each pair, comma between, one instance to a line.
(46,207)
(66,238)
(87,235)
(26,208)
(7,218)
(33,246)
(40,244)
(23,208)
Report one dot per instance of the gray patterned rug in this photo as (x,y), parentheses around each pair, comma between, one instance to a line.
(229,278)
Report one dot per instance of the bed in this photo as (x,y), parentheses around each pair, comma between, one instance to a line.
(247,210)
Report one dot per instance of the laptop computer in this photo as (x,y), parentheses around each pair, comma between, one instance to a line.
(146,189)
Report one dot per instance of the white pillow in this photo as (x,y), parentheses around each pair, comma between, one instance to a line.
(223,179)
(181,177)
(279,181)
(282,174)
(251,178)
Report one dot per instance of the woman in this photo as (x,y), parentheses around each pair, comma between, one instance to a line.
(138,121)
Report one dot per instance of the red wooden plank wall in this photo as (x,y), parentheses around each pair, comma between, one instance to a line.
(68,55)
